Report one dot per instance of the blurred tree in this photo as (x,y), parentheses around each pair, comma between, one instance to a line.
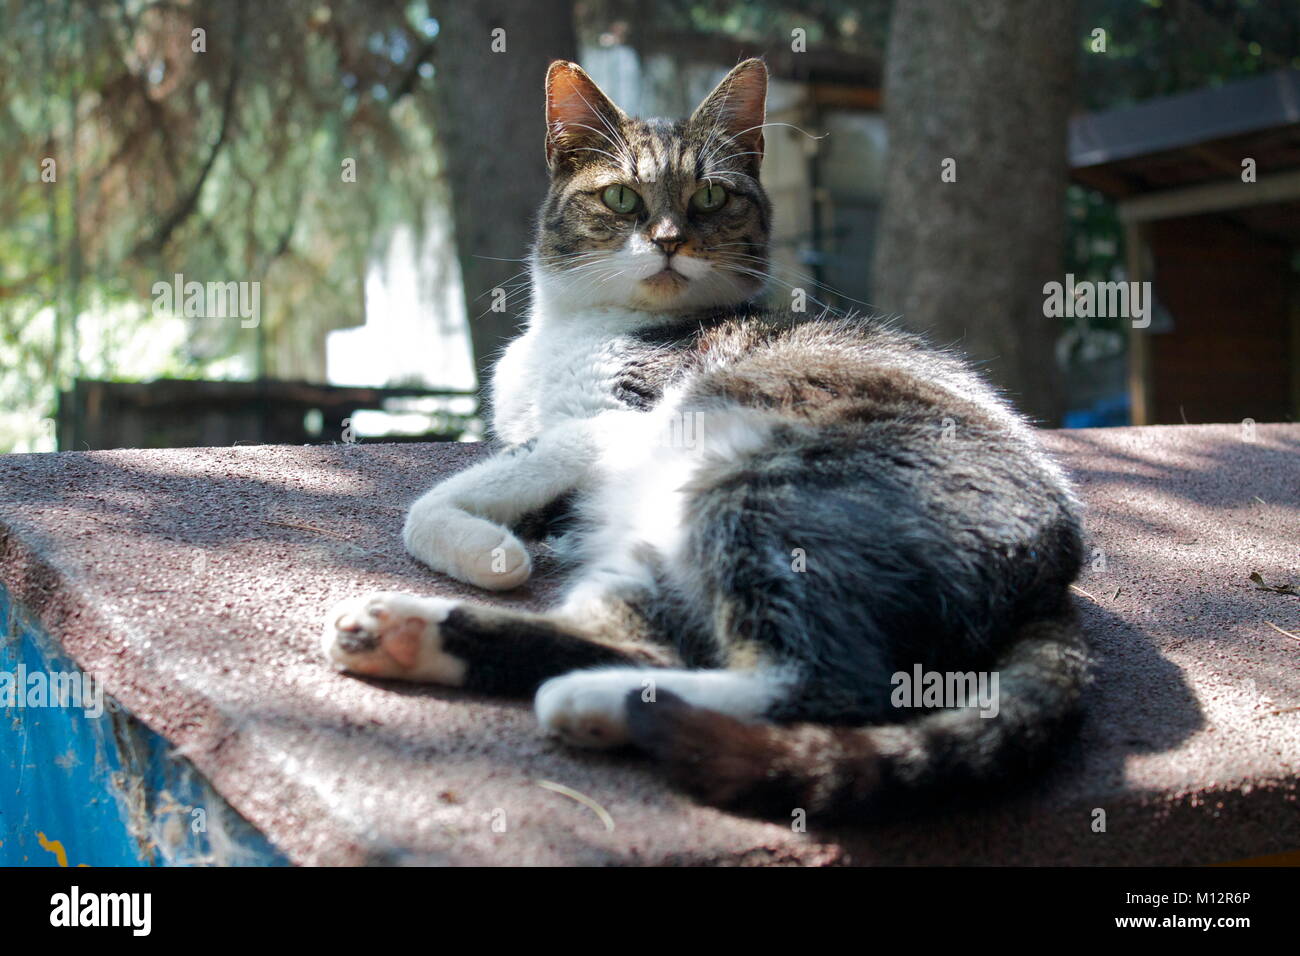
(859,27)
(221,159)
(977,98)
(491,99)
(1161,47)
(205,138)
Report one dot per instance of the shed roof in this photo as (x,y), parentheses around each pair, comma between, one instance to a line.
(1183,155)
(1255,106)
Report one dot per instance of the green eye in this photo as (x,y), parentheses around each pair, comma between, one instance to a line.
(621,199)
(709,198)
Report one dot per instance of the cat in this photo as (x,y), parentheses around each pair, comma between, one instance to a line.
(772,515)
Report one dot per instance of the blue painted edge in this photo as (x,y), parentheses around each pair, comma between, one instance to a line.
(85,783)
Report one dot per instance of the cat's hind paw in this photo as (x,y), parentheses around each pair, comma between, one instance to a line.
(390,634)
(587,709)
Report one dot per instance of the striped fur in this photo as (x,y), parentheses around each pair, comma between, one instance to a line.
(769,517)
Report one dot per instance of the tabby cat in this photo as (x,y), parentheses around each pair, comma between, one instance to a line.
(771,515)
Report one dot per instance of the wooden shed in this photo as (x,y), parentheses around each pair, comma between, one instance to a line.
(1207,186)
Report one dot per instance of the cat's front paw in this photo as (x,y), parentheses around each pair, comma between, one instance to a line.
(466,547)
(390,634)
(586,709)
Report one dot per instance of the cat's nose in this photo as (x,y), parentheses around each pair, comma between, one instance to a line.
(669,244)
(667,235)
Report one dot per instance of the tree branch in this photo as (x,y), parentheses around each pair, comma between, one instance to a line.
(187,205)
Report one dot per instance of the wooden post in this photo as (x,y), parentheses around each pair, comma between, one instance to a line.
(1295,348)
(1139,343)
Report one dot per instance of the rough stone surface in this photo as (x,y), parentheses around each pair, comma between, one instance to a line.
(193,583)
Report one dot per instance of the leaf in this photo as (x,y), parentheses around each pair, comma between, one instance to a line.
(1262,585)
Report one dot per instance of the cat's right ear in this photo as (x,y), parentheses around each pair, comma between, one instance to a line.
(580,119)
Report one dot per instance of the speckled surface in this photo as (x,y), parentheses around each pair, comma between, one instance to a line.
(192,583)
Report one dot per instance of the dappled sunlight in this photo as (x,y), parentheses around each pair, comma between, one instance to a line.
(772,313)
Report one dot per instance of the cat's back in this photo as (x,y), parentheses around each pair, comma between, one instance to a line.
(839,370)
(815,369)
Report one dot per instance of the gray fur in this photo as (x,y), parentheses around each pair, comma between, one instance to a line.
(934,528)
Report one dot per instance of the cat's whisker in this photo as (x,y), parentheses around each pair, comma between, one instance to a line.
(507,284)
(603,152)
(513,289)
(773,123)
(766,276)
(802,279)
(792,126)
(617,140)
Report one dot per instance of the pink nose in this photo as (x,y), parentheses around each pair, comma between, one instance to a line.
(669,244)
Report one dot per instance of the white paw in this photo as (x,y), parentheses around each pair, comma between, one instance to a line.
(588,708)
(390,634)
(497,561)
(467,547)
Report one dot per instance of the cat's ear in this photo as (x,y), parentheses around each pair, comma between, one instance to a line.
(737,107)
(579,117)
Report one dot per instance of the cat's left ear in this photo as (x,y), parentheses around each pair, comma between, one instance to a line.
(738,107)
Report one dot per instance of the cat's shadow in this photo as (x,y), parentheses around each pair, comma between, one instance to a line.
(1137,704)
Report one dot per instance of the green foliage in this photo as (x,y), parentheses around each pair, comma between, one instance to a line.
(854,26)
(1161,47)
(223,163)
(227,164)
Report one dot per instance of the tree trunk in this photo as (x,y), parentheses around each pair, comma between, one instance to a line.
(989,86)
(492,127)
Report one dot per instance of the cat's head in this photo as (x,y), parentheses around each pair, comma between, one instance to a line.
(651,214)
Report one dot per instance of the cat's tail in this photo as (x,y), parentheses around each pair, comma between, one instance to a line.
(839,772)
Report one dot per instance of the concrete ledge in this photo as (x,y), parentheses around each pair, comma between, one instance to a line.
(88,781)
(192,583)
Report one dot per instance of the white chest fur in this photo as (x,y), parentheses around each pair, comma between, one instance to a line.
(563,367)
